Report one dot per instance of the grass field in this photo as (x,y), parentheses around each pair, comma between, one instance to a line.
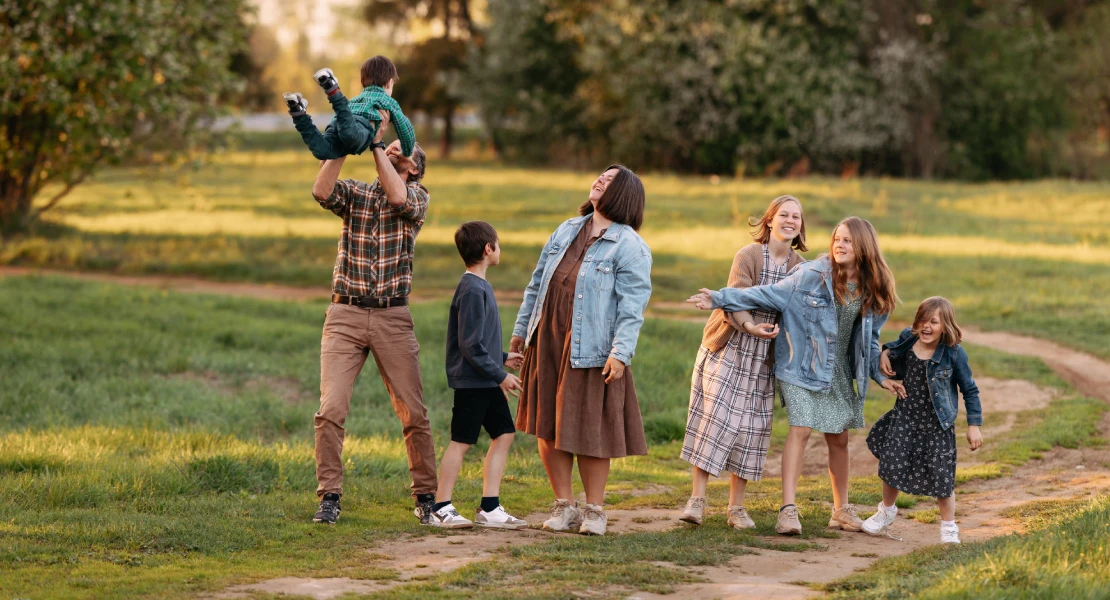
(159,444)
(1027,257)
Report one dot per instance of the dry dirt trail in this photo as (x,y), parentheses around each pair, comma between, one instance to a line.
(1061,473)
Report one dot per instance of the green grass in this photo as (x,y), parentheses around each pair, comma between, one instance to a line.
(1033,258)
(1066,556)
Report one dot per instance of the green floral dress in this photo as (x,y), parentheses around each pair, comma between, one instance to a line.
(840,408)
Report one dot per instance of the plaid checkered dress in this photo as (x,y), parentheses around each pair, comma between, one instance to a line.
(732,398)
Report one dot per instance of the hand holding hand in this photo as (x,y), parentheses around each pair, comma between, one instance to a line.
(511,385)
(895,387)
(884,364)
(702,300)
(516,345)
(613,370)
(763,331)
(514,361)
(974,437)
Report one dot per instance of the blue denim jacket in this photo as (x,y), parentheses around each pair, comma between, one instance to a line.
(947,370)
(805,351)
(611,294)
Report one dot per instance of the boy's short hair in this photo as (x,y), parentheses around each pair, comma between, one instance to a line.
(378,71)
(471,239)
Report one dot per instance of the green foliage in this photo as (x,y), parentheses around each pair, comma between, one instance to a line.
(91,84)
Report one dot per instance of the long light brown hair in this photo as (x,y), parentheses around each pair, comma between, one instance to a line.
(762,227)
(952,334)
(876,282)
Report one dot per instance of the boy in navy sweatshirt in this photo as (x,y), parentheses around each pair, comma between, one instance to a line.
(476,371)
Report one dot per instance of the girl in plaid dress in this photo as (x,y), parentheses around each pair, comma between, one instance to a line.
(732,390)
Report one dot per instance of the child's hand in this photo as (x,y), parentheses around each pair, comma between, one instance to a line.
(514,361)
(763,331)
(511,385)
(702,300)
(974,437)
(884,364)
(895,387)
(516,345)
(613,370)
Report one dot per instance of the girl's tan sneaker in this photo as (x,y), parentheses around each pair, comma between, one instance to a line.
(788,524)
(846,518)
(738,518)
(593,520)
(695,510)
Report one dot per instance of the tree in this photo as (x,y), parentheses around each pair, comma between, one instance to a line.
(89,84)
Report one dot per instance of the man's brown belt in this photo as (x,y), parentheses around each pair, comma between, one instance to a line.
(369,301)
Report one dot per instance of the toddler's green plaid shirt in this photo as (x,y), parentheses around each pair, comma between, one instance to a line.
(372,99)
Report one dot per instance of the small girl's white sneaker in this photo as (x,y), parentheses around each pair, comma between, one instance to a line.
(499,518)
(949,533)
(876,523)
(449,518)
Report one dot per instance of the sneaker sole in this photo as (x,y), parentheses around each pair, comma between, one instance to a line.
(742,526)
(314,520)
(571,528)
(502,525)
(689,519)
(788,531)
(452,525)
(844,526)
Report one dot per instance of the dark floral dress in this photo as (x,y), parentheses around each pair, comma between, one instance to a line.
(915,455)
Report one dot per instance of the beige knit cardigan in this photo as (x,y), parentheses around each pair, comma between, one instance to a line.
(746,267)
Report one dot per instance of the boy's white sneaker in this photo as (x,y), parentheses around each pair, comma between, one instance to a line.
(296,103)
(564,516)
(593,520)
(449,518)
(949,534)
(499,518)
(876,523)
(326,78)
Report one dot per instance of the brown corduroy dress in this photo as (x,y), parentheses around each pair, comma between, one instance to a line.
(574,407)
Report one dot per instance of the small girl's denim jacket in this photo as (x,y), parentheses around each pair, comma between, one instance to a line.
(947,370)
(611,293)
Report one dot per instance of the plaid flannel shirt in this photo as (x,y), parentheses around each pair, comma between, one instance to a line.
(378,240)
(371,100)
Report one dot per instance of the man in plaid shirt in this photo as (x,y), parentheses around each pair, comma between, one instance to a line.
(369,314)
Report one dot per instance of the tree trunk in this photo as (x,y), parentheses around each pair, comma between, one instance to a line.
(448,131)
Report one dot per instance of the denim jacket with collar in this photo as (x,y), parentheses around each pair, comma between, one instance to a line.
(611,293)
(947,370)
(805,350)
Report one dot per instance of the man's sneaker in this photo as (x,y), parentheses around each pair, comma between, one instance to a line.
(876,523)
(296,103)
(738,518)
(449,518)
(499,518)
(329,510)
(788,523)
(327,80)
(949,534)
(593,520)
(846,518)
(695,510)
(564,516)
(424,510)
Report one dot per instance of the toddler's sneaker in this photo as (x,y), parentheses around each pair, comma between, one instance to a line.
(327,80)
(499,518)
(329,510)
(788,523)
(449,518)
(593,520)
(564,516)
(949,533)
(695,510)
(876,523)
(296,103)
(738,518)
(846,519)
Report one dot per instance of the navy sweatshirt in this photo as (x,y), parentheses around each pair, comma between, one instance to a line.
(474,355)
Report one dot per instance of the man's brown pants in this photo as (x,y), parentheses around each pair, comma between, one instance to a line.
(349,334)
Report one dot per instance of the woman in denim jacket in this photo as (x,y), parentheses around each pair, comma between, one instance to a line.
(832,311)
(915,442)
(578,327)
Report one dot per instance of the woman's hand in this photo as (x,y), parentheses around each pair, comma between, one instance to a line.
(884,364)
(702,300)
(974,437)
(516,345)
(894,387)
(763,331)
(614,370)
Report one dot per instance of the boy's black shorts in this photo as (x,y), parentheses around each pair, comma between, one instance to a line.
(476,408)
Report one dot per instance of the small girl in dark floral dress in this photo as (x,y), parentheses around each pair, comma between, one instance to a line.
(916,441)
